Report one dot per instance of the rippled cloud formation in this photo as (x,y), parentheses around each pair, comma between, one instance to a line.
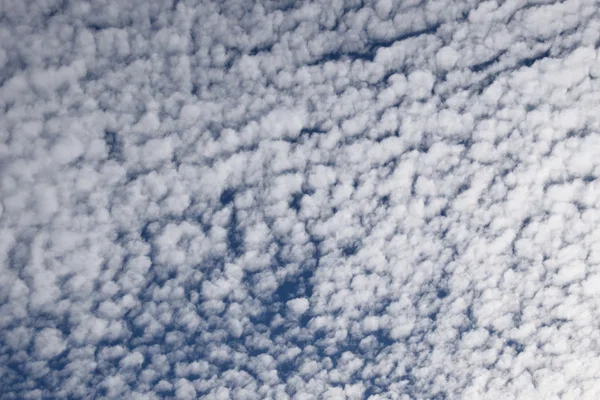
(299,199)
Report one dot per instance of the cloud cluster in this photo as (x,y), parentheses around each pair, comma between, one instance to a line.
(299,200)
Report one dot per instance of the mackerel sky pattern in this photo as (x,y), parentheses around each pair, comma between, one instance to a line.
(299,199)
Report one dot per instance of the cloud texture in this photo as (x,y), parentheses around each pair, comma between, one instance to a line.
(299,200)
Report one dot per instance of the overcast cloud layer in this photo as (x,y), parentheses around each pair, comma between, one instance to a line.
(299,200)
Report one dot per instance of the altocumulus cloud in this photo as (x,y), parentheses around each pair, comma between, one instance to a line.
(299,200)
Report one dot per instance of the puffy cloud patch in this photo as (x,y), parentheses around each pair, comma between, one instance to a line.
(49,343)
(298,306)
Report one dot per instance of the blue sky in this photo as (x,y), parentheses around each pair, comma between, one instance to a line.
(299,200)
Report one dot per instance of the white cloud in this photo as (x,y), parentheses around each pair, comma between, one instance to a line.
(134,359)
(298,306)
(184,390)
(446,58)
(49,343)
(317,201)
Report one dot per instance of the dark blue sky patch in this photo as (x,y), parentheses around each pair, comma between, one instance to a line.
(289,289)
(350,249)
(368,50)
(235,239)
(589,178)
(515,345)
(296,201)
(528,62)
(483,83)
(442,292)
(482,66)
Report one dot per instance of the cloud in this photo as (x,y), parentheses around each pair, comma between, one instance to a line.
(49,343)
(298,306)
(315,200)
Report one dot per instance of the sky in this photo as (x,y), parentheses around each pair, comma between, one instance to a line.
(299,199)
